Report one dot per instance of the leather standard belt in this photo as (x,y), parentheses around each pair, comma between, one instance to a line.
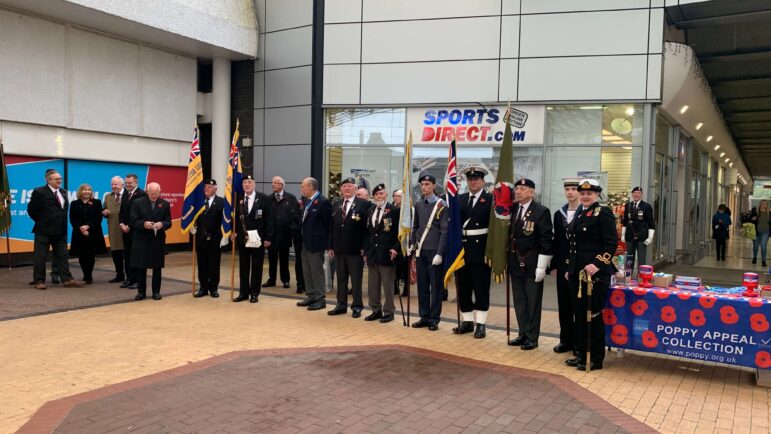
(474,232)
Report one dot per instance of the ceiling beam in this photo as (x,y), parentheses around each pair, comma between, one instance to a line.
(723,20)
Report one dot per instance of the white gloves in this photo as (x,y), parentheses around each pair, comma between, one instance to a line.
(540,270)
(650,237)
(224,242)
(623,232)
(193,230)
(437,260)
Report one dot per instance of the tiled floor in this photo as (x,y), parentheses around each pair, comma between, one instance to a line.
(53,356)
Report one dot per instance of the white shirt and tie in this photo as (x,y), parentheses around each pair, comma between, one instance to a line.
(59,197)
(474,198)
(249,202)
(376,216)
(522,210)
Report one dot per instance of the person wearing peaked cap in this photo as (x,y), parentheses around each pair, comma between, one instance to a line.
(592,242)
(252,233)
(429,240)
(529,256)
(208,235)
(474,277)
(381,251)
(285,212)
(562,218)
(638,228)
(347,241)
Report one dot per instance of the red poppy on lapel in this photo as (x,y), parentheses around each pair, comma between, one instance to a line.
(589,214)
(316,202)
(482,200)
(387,210)
(160,205)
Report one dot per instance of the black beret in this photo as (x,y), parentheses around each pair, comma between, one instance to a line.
(428,177)
(378,187)
(210,182)
(249,177)
(348,180)
(638,188)
(525,182)
(589,185)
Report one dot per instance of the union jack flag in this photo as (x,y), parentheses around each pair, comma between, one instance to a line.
(195,149)
(192,204)
(454,255)
(232,186)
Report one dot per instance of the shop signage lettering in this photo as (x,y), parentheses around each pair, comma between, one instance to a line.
(480,126)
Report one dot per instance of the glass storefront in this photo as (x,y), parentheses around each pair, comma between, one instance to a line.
(602,141)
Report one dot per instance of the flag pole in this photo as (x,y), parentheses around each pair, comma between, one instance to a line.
(192,279)
(410,260)
(233,250)
(508,305)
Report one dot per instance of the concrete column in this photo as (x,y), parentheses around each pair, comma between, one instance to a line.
(221,123)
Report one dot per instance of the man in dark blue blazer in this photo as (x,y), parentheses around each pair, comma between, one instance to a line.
(316,217)
(48,208)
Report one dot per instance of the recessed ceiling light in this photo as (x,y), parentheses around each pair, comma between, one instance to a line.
(709,139)
(699,125)
(630,111)
(717,147)
(727,160)
(722,154)
(683,109)
(731,165)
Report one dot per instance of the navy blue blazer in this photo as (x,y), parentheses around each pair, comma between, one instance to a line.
(316,220)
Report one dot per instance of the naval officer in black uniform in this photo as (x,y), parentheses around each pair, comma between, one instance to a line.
(562,218)
(638,228)
(593,239)
(473,279)
(208,235)
(529,255)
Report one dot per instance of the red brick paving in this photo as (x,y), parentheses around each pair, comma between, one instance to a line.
(353,389)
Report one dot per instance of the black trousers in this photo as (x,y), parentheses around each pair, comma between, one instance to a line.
(208,255)
(117,260)
(87,261)
(141,276)
(278,256)
(636,249)
(430,287)
(349,266)
(131,272)
(250,263)
(720,245)
(402,271)
(473,280)
(565,310)
(59,263)
(298,263)
(580,306)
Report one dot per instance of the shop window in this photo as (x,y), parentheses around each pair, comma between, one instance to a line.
(365,127)
(613,124)
(663,129)
(618,169)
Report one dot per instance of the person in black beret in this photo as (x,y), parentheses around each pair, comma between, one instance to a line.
(285,212)
(593,239)
(474,277)
(208,235)
(253,233)
(347,241)
(638,229)
(382,249)
(529,256)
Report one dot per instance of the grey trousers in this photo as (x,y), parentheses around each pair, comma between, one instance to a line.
(313,274)
(528,298)
(381,276)
(349,266)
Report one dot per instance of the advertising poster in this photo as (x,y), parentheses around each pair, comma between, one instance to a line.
(27,173)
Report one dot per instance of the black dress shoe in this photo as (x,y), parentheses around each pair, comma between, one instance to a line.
(157,296)
(338,310)
(575,361)
(405,294)
(214,293)
(387,318)
(139,297)
(754,261)
(593,366)
(253,299)
(373,316)
(306,302)
(132,286)
(285,285)
(268,284)
(529,345)
(480,332)
(201,293)
(240,298)
(115,280)
(465,327)
(433,327)
(125,284)
(561,348)
(763,264)
(300,290)
(88,281)
(55,278)
(420,324)
(356,313)
(317,305)
(518,341)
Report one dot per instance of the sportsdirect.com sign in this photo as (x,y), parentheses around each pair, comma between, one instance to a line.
(479,125)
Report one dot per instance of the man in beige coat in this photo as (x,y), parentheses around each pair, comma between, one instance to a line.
(111,211)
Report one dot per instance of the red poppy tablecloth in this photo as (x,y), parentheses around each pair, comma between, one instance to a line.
(727,329)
